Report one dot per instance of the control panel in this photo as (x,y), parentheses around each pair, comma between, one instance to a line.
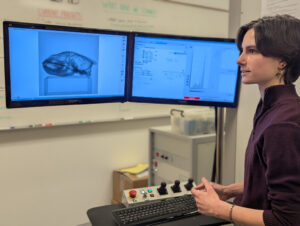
(139,195)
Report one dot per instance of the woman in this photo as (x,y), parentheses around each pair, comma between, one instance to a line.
(270,193)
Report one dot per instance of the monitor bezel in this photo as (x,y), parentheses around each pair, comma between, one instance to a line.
(52,102)
(131,98)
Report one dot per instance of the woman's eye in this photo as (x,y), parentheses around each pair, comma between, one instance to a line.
(252,51)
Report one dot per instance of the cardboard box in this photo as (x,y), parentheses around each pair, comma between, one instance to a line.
(123,181)
(114,202)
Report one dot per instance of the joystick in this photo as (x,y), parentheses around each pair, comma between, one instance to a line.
(189,184)
(162,189)
(175,187)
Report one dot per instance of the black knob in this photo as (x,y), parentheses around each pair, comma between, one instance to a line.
(189,184)
(162,189)
(176,187)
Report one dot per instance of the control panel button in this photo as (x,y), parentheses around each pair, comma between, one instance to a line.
(132,193)
(152,195)
(144,194)
(150,190)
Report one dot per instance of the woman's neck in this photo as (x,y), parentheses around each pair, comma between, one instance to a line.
(262,88)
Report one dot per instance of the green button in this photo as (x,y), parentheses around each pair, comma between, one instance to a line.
(149,190)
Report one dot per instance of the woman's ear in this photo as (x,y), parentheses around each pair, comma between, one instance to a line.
(282,65)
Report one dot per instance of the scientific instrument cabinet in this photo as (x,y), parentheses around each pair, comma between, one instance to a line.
(174,156)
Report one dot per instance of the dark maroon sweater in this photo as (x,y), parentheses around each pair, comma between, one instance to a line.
(272,162)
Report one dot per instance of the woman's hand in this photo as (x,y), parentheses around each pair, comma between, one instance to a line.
(207,199)
(209,203)
(219,189)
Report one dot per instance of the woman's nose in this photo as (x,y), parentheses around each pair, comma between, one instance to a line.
(241,60)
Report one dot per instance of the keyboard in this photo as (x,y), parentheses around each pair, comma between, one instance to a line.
(155,211)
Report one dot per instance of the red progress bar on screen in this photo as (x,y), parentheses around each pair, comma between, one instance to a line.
(192,98)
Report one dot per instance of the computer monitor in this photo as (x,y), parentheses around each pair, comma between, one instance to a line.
(184,70)
(57,65)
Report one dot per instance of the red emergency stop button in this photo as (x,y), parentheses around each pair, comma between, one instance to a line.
(132,193)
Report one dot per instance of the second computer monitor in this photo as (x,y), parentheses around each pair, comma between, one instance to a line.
(184,70)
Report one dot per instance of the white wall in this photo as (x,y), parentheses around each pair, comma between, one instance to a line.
(52,176)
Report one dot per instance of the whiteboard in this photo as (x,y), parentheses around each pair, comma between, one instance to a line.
(194,18)
(273,7)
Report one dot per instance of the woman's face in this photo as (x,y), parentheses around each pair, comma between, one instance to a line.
(256,68)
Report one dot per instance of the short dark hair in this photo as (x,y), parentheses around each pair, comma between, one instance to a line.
(277,36)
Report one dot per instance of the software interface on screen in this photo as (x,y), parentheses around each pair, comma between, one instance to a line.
(53,64)
(182,69)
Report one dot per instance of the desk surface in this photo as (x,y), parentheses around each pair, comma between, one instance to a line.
(100,216)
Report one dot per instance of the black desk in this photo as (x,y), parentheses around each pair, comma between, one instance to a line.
(101,216)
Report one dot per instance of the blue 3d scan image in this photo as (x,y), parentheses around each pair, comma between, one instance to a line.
(50,65)
(68,63)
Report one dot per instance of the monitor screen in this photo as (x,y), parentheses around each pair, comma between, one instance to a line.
(55,65)
(184,70)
